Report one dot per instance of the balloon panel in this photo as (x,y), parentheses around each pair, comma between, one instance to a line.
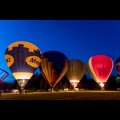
(22,58)
(3,75)
(76,70)
(57,59)
(53,66)
(101,67)
(90,70)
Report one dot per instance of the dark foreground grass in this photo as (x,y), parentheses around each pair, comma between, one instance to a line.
(71,95)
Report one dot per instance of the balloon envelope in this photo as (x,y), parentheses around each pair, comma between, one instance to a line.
(118,65)
(3,75)
(100,68)
(22,58)
(75,72)
(53,66)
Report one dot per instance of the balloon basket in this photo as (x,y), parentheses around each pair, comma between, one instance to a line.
(52,90)
(102,89)
(76,89)
(22,91)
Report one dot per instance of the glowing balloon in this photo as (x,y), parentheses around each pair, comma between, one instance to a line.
(75,72)
(22,58)
(3,75)
(100,68)
(53,67)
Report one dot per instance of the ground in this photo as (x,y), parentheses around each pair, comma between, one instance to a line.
(68,95)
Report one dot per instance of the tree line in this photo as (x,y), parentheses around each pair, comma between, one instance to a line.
(37,82)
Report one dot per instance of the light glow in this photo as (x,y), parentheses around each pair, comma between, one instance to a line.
(101,84)
(74,83)
(22,83)
(22,75)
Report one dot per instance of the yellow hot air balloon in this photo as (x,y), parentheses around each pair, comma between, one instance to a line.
(76,70)
(23,58)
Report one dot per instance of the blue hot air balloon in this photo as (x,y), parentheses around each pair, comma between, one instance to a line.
(23,58)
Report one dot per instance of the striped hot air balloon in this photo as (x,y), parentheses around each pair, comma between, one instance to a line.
(53,67)
(23,58)
(75,72)
(100,68)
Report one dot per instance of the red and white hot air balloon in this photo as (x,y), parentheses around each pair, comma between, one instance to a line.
(100,68)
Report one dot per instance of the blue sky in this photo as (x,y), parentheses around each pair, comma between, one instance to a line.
(77,39)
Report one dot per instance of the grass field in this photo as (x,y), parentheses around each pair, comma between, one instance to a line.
(70,95)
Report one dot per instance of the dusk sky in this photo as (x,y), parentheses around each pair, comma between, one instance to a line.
(77,39)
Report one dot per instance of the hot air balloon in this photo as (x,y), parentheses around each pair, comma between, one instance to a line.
(118,65)
(53,67)
(100,68)
(23,58)
(75,72)
(3,75)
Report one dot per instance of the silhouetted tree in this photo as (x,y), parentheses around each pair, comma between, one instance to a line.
(111,83)
(41,81)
